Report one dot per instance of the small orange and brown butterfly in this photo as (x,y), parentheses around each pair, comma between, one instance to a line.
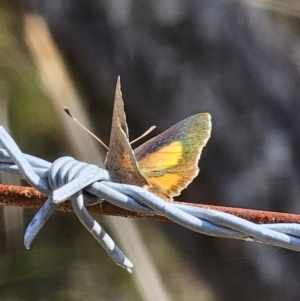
(165,164)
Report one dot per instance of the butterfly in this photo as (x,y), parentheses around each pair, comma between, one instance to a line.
(165,164)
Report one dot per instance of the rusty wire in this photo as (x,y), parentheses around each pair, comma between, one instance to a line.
(86,184)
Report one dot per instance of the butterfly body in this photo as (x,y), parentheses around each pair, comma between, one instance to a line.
(165,164)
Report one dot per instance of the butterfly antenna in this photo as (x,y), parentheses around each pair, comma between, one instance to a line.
(92,134)
(145,134)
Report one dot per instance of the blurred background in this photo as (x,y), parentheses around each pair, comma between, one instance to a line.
(237,60)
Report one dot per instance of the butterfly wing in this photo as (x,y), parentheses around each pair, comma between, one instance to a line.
(169,161)
(120,161)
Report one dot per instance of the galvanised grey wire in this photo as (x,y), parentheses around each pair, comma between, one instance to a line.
(25,168)
(290,229)
(61,171)
(68,178)
(89,175)
(66,170)
(187,216)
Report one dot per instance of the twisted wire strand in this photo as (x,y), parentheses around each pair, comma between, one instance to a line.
(215,223)
(86,184)
(45,180)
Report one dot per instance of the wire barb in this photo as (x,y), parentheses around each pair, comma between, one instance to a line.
(86,184)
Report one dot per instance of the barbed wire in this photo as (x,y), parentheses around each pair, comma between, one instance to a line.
(87,184)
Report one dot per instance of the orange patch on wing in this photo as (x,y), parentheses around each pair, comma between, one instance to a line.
(165,158)
(167,181)
(170,184)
